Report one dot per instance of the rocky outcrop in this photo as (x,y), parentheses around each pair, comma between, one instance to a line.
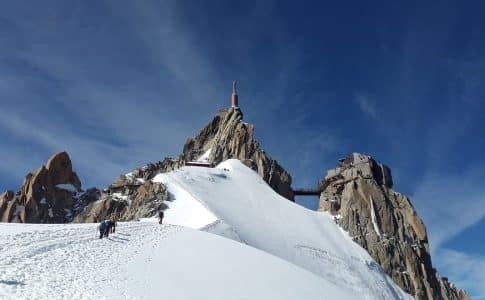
(51,194)
(358,193)
(134,195)
(130,197)
(227,136)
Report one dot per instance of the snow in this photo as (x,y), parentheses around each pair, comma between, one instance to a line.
(67,187)
(51,213)
(263,219)
(373,217)
(144,260)
(120,196)
(43,200)
(205,157)
(184,209)
(251,244)
(221,228)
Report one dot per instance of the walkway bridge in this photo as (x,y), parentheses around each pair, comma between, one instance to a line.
(307,192)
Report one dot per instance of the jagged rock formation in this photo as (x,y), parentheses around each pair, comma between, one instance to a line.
(128,198)
(227,136)
(52,194)
(359,194)
(132,196)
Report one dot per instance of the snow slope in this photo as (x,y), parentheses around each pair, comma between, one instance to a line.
(263,219)
(270,249)
(144,260)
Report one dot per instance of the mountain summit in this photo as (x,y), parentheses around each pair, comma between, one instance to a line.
(226,137)
(357,194)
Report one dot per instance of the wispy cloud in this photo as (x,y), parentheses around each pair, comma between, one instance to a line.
(450,203)
(366,104)
(467,270)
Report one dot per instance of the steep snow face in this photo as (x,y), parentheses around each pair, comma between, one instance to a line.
(263,219)
(144,260)
(184,209)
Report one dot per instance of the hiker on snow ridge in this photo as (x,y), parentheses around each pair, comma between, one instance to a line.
(104,228)
(113,221)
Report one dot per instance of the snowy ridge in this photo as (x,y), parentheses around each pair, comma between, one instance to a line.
(144,260)
(266,221)
(251,244)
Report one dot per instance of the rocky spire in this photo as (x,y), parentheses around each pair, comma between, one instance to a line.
(227,136)
(51,194)
(358,192)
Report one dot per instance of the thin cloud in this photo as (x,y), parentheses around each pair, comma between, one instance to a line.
(450,204)
(467,270)
(366,105)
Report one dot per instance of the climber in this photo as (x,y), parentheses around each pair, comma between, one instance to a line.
(160,217)
(104,228)
(113,221)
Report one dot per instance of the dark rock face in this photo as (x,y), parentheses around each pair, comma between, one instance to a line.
(227,136)
(130,197)
(358,193)
(101,209)
(52,194)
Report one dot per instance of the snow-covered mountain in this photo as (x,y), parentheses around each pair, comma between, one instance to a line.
(270,248)
(363,230)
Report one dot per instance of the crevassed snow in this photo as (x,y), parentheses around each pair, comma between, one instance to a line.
(67,187)
(267,221)
(144,260)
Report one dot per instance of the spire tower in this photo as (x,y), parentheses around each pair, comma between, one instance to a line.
(234,97)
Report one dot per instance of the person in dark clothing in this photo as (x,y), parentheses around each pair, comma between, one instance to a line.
(104,228)
(113,220)
(160,217)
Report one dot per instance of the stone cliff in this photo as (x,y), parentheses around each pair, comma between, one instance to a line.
(51,194)
(358,193)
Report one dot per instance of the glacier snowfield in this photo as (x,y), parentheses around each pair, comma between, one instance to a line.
(227,235)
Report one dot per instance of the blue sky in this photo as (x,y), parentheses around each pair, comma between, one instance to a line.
(121,83)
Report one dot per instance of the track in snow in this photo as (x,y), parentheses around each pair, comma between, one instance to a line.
(73,262)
